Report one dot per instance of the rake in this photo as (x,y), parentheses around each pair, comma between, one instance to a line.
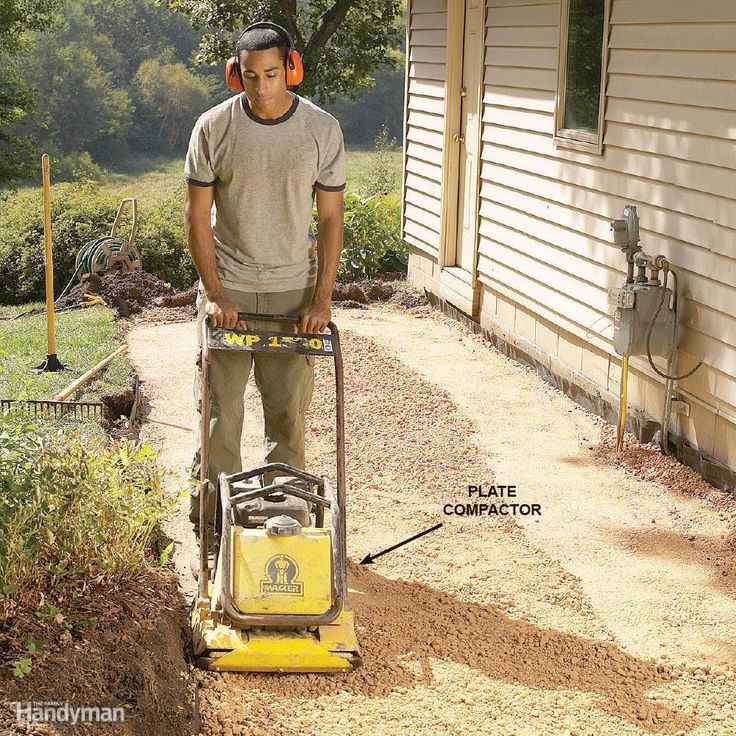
(50,408)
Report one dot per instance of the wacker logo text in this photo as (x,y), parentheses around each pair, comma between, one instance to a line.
(282,572)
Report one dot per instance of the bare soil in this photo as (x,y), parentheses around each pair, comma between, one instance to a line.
(124,648)
(611,614)
(126,294)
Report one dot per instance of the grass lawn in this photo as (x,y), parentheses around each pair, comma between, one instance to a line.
(83,338)
(151,181)
(154,179)
(359,166)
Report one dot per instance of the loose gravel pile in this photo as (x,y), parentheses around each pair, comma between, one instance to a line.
(482,627)
(437,641)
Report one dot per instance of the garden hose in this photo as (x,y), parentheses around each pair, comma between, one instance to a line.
(94,257)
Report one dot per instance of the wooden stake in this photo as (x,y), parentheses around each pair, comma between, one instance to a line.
(52,362)
(72,387)
(51,324)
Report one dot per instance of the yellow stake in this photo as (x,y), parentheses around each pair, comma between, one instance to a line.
(46,169)
(622,404)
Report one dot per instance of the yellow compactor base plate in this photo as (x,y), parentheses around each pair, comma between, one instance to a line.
(331,648)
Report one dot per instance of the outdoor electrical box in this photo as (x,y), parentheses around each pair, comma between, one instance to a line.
(634,306)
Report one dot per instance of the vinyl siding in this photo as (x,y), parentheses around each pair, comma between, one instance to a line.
(669,148)
(425,104)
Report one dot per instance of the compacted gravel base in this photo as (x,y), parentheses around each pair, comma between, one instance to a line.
(609,614)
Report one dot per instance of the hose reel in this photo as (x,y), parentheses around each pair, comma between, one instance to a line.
(111,253)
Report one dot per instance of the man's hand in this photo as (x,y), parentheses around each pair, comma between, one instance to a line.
(223,313)
(315,317)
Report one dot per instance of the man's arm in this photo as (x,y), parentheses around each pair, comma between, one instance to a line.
(198,229)
(330,219)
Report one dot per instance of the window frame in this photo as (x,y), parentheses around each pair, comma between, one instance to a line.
(581,140)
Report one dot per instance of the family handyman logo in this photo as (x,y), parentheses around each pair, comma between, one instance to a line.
(32,712)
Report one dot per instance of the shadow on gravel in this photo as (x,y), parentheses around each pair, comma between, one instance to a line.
(716,555)
(404,627)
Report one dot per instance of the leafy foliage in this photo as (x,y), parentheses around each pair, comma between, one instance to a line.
(372,242)
(80,214)
(16,101)
(341,41)
(100,117)
(19,16)
(173,96)
(72,508)
(92,57)
(381,105)
(16,150)
(162,244)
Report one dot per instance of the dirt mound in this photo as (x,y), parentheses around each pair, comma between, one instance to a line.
(127,293)
(353,294)
(408,298)
(115,647)
(362,292)
(178,299)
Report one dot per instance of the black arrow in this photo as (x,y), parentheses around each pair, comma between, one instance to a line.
(369,558)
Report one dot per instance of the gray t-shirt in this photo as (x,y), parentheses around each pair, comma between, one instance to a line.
(264,173)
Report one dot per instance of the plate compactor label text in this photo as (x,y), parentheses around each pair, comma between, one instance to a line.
(492,500)
(256,341)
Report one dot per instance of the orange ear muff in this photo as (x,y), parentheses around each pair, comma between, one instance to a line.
(294,71)
(232,78)
(294,68)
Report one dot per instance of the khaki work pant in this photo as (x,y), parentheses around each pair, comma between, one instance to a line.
(285,382)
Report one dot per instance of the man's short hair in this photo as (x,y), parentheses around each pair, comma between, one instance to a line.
(259,39)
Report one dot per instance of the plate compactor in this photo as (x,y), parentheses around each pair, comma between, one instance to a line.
(272,584)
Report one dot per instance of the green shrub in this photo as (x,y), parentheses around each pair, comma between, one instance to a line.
(77,167)
(71,508)
(162,245)
(372,241)
(80,212)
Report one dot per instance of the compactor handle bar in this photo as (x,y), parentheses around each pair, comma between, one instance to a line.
(294,318)
(339,387)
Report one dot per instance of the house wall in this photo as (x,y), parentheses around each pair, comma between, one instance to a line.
(546,257)
(424,130)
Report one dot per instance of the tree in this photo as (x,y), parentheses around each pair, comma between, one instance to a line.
(99,117)
(140,30)
(17,17)
(341,41)
(361,119)
(173,96)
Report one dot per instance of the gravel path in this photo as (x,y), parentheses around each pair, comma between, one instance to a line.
(609,614)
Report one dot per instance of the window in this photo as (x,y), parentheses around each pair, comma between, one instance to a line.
(579,112)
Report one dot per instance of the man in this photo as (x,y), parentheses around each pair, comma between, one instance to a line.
(261,157)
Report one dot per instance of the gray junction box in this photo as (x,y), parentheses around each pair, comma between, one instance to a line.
(634,306)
